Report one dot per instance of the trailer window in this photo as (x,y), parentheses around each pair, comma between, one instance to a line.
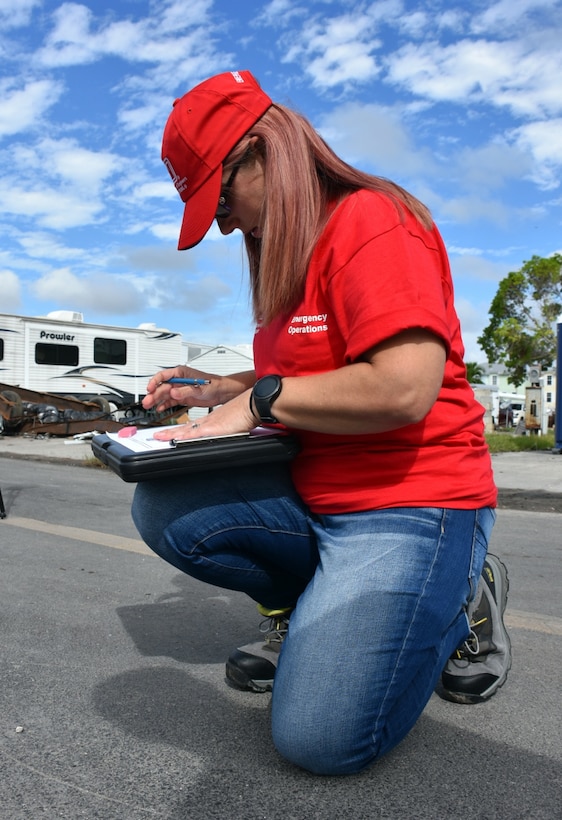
(56,354)
(1,349)
(110,351)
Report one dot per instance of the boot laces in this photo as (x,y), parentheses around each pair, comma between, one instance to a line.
(274,628)
(471,647)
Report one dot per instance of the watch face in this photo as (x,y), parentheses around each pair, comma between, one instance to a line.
(267,385)
(264,394)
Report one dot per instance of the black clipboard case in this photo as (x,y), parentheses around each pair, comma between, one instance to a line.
(195,456)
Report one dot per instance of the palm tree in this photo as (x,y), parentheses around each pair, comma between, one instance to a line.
(474,373)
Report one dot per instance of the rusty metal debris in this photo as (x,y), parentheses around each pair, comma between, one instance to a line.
(24,411)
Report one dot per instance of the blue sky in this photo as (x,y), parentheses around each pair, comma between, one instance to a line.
(459,102)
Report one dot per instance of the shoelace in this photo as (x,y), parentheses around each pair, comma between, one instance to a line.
(274,629)
(472,645)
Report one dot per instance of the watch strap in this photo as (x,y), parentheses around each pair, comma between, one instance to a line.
(262,402)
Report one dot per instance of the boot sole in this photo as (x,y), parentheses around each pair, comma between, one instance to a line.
(239,680)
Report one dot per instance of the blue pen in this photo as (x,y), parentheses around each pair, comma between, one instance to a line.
(188,381)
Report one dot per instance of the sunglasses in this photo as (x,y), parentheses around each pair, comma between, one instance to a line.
(223,210)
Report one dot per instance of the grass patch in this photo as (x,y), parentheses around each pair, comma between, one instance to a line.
(92,461)
(509,443)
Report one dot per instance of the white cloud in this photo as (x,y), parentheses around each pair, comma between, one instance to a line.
(156,190)
(508,15)
(465,209)
(70,42)
(468,118)
(142,115)
(23,108)
(10,288)
(386,11)
(176,15)
(16,13)
(64,160)
(470,264)
(201,295)
(341,63)
(489,167)
(473,319)
(456,250)
(511,75)
(279,12)
(452,19)
(49,207)
(168,232)
(337,50)
(439,73)
(59,184)
(100,292)
(79,38)
(377,135)
(543,140)
(476,279)
(41,245)
(170,48)
(84,169)
(414,24)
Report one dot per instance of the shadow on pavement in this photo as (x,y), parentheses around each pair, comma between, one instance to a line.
(437,772)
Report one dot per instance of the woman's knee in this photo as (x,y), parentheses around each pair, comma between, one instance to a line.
(307,732)
(322,751)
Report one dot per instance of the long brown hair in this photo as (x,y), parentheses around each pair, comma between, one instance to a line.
(302,177)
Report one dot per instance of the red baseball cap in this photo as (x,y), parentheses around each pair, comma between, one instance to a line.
(203,128)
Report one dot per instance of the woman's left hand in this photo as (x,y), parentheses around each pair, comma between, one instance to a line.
(233,417)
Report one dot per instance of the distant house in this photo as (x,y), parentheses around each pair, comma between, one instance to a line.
(504,396)
(497,376)
(221,360)
(548,384)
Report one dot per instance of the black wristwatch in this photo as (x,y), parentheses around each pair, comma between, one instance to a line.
(264,393)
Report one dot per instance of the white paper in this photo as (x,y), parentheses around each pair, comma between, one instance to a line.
(142,441)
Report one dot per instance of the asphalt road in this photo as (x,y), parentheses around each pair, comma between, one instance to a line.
(113,703)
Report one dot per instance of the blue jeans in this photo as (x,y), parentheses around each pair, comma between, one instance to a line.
(380,600)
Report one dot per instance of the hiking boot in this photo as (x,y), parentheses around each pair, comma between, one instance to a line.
(252,667)
(479,667)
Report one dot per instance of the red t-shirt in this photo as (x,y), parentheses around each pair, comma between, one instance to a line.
(372,276)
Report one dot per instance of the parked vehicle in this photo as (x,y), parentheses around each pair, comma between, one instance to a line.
(508,409)
(65,356)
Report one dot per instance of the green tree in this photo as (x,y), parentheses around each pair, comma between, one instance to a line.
(474,372)
(523,316)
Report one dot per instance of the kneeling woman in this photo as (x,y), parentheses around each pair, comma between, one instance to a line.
(366,551)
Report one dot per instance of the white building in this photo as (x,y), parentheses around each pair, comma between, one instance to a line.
(547,382)
(503,392)
(221,360)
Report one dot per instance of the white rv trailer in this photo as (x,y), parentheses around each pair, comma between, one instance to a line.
(63,355)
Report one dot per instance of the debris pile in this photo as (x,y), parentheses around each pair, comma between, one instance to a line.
(25,411)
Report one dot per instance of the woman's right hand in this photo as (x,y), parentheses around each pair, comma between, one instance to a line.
(162,395)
